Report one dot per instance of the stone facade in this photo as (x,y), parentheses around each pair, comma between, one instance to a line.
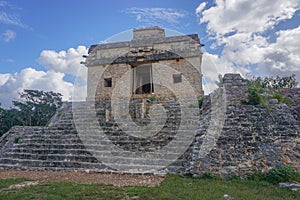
(149,64)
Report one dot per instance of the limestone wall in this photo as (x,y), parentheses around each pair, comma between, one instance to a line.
(148,46)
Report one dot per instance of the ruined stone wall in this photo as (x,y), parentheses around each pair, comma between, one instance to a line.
(179,55)
(249,139)
(236,88)
(252,138)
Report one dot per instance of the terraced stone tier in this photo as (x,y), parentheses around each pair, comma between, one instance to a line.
(59,146)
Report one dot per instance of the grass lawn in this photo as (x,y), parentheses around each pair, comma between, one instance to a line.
(173,187)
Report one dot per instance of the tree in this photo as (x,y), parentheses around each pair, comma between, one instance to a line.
(36,110)
(40,106)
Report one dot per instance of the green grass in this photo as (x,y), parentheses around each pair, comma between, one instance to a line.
(173,187)
(4,183)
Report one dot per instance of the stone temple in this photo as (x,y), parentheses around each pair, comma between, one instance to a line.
(145,64)
(142,115)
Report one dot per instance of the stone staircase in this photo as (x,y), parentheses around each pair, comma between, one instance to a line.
(55,147)
(94,144)
(118,145)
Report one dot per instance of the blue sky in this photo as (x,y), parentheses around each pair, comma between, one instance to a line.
(41,42)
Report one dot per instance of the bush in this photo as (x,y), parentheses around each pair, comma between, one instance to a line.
(207,175)
(152,98)
(260,89)
(254,97)
(17,139)
(234,177)
(276,175)
(200,102)
(281,98)
(281,174)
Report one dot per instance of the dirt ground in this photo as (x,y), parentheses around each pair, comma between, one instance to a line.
(115,179)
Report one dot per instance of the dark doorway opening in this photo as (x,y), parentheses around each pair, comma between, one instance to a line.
(142,80)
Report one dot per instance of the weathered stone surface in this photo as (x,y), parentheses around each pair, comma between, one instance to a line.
(167,56)
(252,139)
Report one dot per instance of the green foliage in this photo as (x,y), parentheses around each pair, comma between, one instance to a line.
(173,187)
(281,174)
(36,110)
(234,177)
(4,183)
(276,175)
(207,175)
(152,98)
(17,139)
(281,98)
(200,102)
(262,89)
(220,82)
(102,113)
(188,175)
(254,97)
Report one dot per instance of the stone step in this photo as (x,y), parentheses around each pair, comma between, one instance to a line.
(47,163)
(42,164)
(100,151)
(61,136)
(44,151)
(35,140)
(58,157)
(87,170)
(107,158)
(50,146)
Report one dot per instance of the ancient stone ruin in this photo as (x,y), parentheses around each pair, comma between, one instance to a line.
(142,116)
(148,59)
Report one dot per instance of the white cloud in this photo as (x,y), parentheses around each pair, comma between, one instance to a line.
(156,15)
(9,35)
(67,62)
(209,87)
(247,16)
(244,48)
(289,40)
(3,78)
(30,78)
(283,56)
(58,65)
(10,19)
(213,65)
(240,27)
(9,16)
(200,8)
(9,60)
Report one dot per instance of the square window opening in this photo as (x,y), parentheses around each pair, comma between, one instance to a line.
(108,82)
(177,78)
